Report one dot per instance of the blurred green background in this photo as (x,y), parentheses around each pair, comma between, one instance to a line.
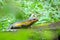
(11,11)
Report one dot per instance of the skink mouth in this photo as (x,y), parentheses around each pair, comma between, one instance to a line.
(37,19)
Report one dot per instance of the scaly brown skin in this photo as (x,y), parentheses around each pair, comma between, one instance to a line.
(25,24)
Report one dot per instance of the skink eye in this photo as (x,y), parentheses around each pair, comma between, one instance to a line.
(34,19)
